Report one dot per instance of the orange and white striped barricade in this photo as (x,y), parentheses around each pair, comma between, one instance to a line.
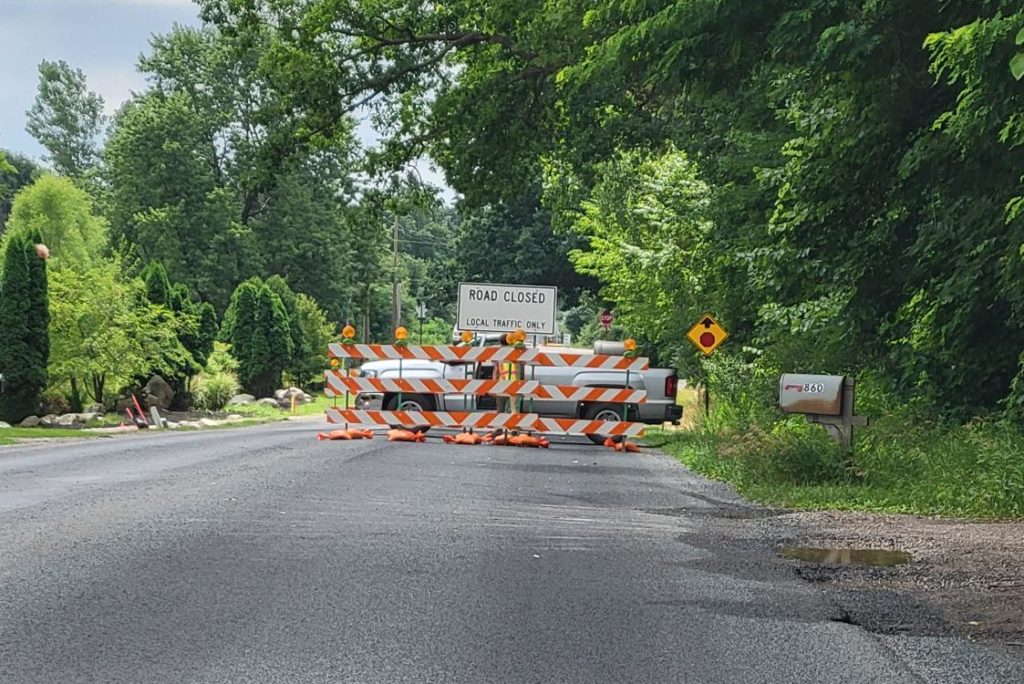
(447,354)
(484,420)
(338,384)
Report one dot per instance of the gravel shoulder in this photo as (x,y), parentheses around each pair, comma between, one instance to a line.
(965,578)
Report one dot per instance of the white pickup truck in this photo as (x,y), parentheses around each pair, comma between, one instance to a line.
(660,383)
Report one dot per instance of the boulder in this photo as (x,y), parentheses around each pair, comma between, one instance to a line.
(70,420)
(307,398)
(209,422)
(171,425)
(190,424)
(90,416)
(267,401)
(234,417)
(157,393)
(280,394)
(95,408)
(31,421)
(3,425)
(241,400)
(49,420)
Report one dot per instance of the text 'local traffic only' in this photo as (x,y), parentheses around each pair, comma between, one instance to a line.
(486,307)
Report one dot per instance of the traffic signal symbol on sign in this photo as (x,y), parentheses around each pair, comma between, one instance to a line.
(707,334)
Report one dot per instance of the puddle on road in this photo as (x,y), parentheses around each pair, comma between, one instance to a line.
(879,557)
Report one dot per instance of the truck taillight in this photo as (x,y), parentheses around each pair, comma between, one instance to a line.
(671,386)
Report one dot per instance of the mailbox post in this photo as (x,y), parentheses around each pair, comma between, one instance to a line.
(827,400)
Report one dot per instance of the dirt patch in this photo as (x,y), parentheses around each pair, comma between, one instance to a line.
(963,577)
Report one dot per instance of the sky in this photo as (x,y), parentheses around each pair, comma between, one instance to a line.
(104,39)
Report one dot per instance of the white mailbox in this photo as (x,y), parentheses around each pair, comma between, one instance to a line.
(826,400)
(819,394)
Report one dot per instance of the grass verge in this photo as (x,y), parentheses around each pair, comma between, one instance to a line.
(12,435)
(317,407)
(900,465)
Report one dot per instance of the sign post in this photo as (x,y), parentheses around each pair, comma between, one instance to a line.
(707,335)
(421,313)
(490,307)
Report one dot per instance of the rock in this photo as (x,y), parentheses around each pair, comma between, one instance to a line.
(190,424)
(3,425)
(31,421)
(90,416)
(49,420)
(241,400)
(157,393)
(267,401)
(307,398)
(235,417)
(95,408)
(209,422)
(280,394)
(70,420)
(171,425)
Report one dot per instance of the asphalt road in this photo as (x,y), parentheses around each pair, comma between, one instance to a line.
(262,555)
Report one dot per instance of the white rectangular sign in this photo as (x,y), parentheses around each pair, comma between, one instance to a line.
(486,307)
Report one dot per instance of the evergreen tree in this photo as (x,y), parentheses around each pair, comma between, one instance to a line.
(257,327)
(24,329)
(158,287)
(279,286)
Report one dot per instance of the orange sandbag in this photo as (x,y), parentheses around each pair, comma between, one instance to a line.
(628,446)
(464,438)
(499,439)
(334,434)
(529,441)
(360,434)
(609,442)
(406,436)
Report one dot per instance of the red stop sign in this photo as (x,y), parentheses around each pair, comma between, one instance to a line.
(606,318)
(707,339)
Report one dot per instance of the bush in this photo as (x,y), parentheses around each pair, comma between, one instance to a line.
(213,391)
(218,382)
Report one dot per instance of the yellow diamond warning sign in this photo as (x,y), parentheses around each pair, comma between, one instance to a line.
(707,334)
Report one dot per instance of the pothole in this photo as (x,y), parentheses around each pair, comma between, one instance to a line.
(839,556)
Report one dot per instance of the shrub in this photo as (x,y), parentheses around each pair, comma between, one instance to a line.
(213,391)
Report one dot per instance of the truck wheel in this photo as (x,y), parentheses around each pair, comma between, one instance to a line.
(411,402)
(609,412)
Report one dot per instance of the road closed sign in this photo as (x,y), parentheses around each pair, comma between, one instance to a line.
(487,307)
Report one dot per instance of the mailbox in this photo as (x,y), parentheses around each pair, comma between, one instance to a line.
(814,394)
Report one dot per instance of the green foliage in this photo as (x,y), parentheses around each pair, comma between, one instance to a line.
(646,223)
(67,119)
(158,286)
(105,333)
(315,332)
(62,215)
(16,171)
(218,381)
(24,323)
(257,327)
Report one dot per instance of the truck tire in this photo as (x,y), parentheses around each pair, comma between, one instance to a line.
(609,412)
(411,402)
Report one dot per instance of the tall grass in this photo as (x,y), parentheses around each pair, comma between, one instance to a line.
(906,461)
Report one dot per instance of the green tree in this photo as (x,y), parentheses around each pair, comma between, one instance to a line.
(105,333)
(17,172)
(24,323)
(256,325)
(158,285)
(62,215)
(67,119)
(316,332)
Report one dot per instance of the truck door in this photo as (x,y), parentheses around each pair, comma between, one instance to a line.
(459,401)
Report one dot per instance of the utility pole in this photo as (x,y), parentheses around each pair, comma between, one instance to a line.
(396,300)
